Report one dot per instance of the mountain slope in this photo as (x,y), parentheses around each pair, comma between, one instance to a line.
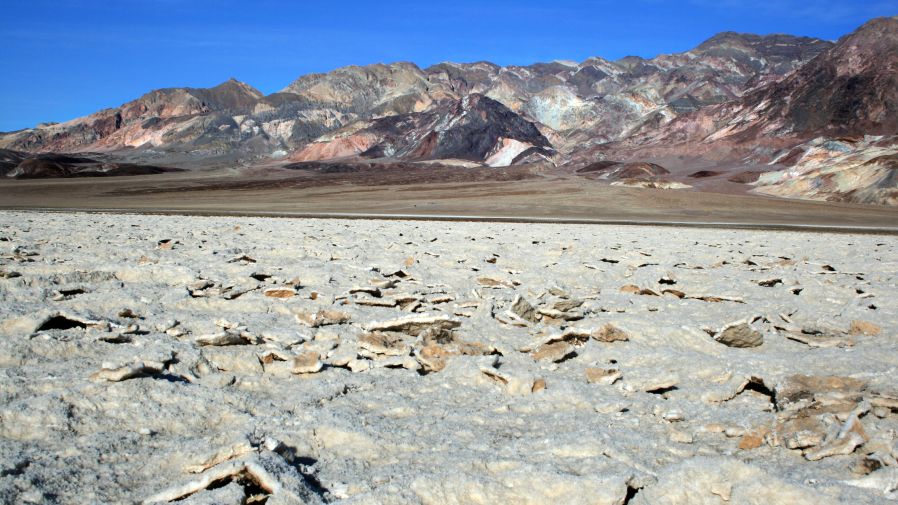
(475,128)
(594,101)
(164,117)
(853,170)
(850,89)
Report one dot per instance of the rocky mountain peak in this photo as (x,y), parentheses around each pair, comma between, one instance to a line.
(231,96)
(776,53)
(850,88)
(232,85)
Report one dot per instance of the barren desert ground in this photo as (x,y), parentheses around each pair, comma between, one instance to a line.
(244,359)
(514,192)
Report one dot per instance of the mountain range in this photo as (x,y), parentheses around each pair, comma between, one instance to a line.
(783,115)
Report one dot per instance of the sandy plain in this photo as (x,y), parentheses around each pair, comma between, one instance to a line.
(249,360)
(512,193)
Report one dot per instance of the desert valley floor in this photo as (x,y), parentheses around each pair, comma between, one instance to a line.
(250,360)
(511,192)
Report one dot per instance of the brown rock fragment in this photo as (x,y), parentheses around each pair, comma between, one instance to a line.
(413,325)
(269,357)
(386,344)
(739,335)
(243,258)
(567,305)
(751,440)
(850,439)
(359,365)
(636,290)
(490,282)
(322,318)
(604,376)
(281,292)
(822,390)
(307,362)
(382,283)
(555,352)
(885,401)
(610,333)
(376,302)
(129,371)
(373,291)
(439,345)
(433,357)
(522,308)
(859,327)
(558,315)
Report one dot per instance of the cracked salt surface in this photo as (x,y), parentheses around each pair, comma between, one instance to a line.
(251,360)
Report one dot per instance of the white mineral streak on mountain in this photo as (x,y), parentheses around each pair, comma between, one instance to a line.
(505,151)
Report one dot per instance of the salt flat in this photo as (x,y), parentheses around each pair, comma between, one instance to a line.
(239,360)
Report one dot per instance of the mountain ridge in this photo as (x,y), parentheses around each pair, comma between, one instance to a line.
(319,102)
(734,98)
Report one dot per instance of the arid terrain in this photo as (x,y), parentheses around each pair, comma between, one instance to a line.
(512,193)
(664,280)
(234,360)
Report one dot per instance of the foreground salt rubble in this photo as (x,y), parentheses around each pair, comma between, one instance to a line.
(222,360)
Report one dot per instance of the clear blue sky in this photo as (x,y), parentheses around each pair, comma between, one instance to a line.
(66,58)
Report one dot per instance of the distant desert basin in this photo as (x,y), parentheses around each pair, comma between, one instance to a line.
(234,360)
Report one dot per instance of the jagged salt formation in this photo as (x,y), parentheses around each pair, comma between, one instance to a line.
(238,360)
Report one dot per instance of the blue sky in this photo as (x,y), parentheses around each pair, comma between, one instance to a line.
(66,58)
